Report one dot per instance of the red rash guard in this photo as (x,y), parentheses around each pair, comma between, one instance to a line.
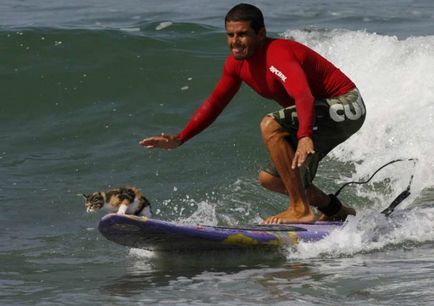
(282,70)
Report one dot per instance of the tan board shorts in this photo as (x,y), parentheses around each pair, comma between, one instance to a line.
(336,119)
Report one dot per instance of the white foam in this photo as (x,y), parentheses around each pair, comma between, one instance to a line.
(370,232)
(396,79)
(204,214)
(134,29)
(163,25)
(140,261)
(139,253)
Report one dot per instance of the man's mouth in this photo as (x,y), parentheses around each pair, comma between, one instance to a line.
(238,50)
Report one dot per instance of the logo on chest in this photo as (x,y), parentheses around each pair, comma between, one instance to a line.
(278,73)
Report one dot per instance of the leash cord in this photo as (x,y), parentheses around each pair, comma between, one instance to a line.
(401,197)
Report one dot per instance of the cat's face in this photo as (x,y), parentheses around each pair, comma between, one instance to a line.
(93,201)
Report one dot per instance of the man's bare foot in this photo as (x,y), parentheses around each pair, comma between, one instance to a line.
(292,216)
(341,215)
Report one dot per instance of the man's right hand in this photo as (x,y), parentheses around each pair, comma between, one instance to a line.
(304,148)
(161,142)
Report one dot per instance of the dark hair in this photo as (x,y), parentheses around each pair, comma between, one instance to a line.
(246,12)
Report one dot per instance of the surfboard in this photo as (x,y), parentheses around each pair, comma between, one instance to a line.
(158,235)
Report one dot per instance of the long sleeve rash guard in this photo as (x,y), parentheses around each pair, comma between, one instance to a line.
(282,70)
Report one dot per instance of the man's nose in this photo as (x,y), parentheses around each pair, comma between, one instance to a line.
(236,39)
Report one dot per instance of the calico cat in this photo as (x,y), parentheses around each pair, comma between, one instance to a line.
(124,200)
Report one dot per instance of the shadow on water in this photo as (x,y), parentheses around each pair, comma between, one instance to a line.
(156,270)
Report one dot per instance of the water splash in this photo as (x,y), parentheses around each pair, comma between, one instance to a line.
(398,90)
(370,232)
(204,214)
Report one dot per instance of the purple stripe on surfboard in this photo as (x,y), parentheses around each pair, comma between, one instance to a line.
(156,234)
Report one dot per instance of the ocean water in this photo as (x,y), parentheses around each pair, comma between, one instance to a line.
(82,82)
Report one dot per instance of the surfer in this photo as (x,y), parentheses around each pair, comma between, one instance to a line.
(321,109)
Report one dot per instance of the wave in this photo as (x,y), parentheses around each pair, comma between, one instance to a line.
(371,232)
(397,87)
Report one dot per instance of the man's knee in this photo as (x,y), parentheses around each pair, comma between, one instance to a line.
(272,130)
(268,125)
(264,179)
(271,182)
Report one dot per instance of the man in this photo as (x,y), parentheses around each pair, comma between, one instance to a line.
(321,109)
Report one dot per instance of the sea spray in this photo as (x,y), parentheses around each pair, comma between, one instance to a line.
(398,90)
(371,232)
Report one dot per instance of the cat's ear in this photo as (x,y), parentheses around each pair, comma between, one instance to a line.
(85,196)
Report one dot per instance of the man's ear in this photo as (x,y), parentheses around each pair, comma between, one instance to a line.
(262,33)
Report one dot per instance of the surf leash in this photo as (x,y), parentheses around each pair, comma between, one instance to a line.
(401,197)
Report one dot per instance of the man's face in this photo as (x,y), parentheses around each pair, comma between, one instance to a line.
(242,40)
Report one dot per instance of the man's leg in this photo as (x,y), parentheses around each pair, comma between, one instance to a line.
(332,128)
(315,196)
(281,154)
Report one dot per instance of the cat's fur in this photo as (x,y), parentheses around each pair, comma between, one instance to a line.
(124,200)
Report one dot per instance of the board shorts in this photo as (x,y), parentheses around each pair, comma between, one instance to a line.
(336,119)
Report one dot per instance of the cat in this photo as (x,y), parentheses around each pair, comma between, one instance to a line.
(123,200)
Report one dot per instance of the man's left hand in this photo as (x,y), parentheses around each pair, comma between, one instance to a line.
(304,148)
(162,141)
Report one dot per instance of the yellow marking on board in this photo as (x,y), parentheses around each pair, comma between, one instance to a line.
(293,237)
(240,239)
